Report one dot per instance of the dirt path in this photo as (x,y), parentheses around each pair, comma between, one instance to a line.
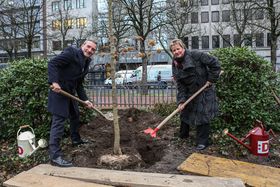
(162,154)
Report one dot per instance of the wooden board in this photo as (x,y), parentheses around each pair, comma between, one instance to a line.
(251,174)
(133,179)
(26,179)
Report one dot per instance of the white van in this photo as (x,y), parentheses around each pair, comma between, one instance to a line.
(152,73)
(121,77)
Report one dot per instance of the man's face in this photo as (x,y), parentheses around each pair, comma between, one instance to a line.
(88,48)
(177,51)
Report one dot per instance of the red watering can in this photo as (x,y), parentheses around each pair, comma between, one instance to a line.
(258,139)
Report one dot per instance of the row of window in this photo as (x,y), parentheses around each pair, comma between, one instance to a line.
(20,44)
(206,2)
(70,23)
(67,5)
(57,45)
(227,42)
(226,15)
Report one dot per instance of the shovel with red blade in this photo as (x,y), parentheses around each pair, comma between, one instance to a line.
(153,132)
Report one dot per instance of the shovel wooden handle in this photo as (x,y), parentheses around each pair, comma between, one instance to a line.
(185,103)
(80,101)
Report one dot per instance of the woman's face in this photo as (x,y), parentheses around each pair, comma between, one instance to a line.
(177,51)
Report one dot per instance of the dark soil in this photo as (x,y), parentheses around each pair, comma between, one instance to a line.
(162,154)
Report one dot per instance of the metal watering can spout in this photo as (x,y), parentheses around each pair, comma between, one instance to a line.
(26,142)
(225,132)
(42,143)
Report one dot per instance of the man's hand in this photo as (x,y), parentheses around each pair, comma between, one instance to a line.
(55,87)
(89,104)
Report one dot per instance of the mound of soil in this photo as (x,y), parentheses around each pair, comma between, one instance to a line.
(141,152)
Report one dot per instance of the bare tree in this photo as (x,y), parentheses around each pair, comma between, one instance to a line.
(22,22)
(120,25)
(144,16)
(271,8)
(177,22)
(9,31)
(239,17)
(62,22)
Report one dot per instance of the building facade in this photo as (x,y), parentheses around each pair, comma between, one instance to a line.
(217,23)
(70,22)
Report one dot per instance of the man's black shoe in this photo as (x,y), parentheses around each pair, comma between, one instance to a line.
(79,142)
(60,162)
(200,147)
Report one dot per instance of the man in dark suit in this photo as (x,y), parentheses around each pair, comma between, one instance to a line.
(66,72)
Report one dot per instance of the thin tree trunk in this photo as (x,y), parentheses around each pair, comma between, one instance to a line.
(117,148)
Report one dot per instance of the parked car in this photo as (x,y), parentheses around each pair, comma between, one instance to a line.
(152,75)
(121,77)
(3,65)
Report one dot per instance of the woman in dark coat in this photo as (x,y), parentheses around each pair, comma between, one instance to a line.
(191,70)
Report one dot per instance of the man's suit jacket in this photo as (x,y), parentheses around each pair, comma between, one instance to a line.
(68,69)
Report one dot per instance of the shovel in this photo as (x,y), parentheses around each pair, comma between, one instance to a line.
(153,132)
(83,102)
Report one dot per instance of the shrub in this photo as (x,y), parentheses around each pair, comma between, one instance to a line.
(244,91)
(23,98)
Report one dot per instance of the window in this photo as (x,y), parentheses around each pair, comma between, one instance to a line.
(204,2)
(214,2)
(68,43)
(268,39)
(194,17)
(195,42)
(194,2)
(248,39)
(36,42)
(215,41)
(81,22)
(259,14)
(237,40)
(259,40)
(22,44)
(204,17)
(186,41)
(56,45)
(80,3)
(67,4)
(236,15)
(205,42)
(69,23)
(248,14)
(226,41)
(215,17)
(226,15)
(55,6)
(56,24)
(184,3)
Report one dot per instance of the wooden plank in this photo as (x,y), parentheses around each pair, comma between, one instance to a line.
(25,179)
(251,174)
(134,179)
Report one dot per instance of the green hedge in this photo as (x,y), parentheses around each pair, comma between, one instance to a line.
(244,91)
(23,98)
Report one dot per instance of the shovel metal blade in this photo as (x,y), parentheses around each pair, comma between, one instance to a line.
(151,132)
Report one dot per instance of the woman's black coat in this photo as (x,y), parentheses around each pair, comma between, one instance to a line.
(68,69)
(191,73)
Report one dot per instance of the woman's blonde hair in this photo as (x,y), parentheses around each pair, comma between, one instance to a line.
(176,42)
